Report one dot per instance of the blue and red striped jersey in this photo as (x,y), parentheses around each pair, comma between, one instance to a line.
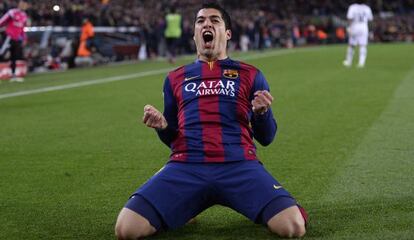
(208,109)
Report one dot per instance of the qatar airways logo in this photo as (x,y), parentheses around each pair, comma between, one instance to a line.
(217,87)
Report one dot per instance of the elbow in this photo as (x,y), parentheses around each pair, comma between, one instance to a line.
(167,142)
(266,141)
(266,138)
(167,139)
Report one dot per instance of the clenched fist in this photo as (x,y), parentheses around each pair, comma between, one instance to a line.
(261,102)
(154,118)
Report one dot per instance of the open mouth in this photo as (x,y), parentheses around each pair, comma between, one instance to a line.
(208,37)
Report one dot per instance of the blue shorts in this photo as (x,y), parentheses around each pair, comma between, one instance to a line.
(181,191)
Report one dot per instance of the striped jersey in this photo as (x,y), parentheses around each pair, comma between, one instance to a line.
(208,109)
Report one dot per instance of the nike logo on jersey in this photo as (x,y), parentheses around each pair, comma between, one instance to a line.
(277,187)
(191,78)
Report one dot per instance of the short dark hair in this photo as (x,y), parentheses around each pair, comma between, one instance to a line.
(224,14)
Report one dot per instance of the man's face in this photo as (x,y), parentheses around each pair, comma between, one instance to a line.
(23,5)
(210,34)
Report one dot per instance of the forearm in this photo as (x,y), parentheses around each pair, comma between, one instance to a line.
(167,135)
(165,129)
(264,127)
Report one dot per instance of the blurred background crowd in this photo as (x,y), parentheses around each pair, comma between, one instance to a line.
(257,24)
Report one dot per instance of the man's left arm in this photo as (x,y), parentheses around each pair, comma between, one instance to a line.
(263,123)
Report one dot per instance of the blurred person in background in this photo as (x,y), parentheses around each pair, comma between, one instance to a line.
(15,20)
(173,33)
(340,34)
(358,15)
(85,43)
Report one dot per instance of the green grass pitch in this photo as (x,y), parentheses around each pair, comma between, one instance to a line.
(345,147)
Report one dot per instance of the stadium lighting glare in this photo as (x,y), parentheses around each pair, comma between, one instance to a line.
(56,8)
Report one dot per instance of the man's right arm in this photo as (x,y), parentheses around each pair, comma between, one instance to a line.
(165,124)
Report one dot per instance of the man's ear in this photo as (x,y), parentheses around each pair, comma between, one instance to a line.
(228,34)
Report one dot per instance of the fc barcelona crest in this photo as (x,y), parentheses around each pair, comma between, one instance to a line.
(230,73)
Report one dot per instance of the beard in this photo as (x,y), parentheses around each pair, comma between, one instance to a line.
(209,53)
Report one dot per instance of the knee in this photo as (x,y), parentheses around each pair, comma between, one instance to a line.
(125,229)
(123,232)
(291,228)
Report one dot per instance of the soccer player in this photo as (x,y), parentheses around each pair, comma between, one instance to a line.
(358,16)
(15,20)
(213,108)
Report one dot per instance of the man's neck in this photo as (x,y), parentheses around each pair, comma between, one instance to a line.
(205,58)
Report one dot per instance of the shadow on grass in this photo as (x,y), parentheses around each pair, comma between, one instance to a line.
(360,218)
(237,229)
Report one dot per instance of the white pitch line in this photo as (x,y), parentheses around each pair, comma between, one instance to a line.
(129,76)
(84,83)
